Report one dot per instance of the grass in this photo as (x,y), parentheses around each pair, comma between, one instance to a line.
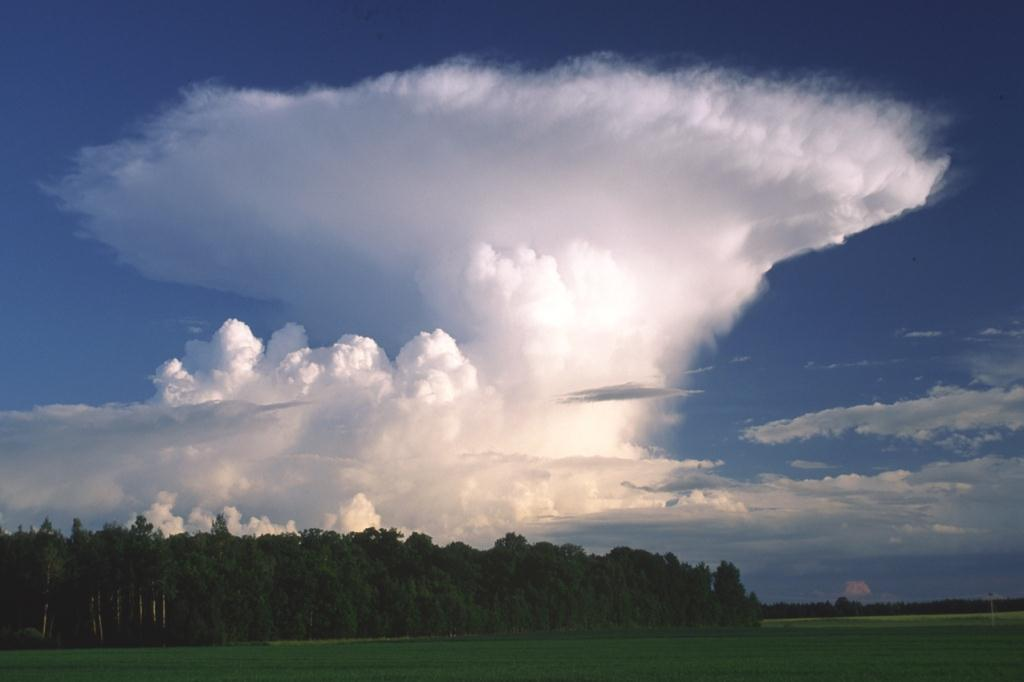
(902,648)
(956,619)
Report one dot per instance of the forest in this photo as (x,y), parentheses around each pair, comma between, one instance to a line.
(134,586)
(843,607)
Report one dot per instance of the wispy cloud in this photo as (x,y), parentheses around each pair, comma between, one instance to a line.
(856,363)
(926,334)
(808,464)
(995,331)
(944,411)
(1001,364)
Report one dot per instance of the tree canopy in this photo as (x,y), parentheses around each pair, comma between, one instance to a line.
(132,585)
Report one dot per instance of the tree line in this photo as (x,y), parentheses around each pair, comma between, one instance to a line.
(134,586)
(848,607)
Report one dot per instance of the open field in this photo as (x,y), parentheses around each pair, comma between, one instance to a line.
(906,648)
(954,619)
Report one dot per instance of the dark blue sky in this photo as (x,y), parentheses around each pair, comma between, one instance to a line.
(829,330)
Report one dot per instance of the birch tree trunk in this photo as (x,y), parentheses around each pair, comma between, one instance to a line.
(99,613)
(92,615)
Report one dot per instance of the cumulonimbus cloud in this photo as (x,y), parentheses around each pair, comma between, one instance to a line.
(591,225)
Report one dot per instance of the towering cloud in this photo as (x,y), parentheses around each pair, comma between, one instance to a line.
(566,239)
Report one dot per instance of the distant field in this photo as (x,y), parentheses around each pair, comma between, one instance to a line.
(1008,618)
(905,648)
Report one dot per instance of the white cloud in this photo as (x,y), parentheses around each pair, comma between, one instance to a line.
(923,334)
(995,331)
(255,525)
(589,226)
(201,520)
(161,516)
(943,412)
(357,515)
(810,364)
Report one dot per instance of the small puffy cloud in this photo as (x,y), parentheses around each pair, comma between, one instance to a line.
(255,525)
(160,515)
(945,410)
(921,334)
(432,369)
(359,514)
(856,589)
(212,370)
(201,520)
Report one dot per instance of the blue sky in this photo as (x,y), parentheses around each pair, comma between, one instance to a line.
(931,301)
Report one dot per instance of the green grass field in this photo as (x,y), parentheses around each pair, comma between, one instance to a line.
(951,619)
(904,648)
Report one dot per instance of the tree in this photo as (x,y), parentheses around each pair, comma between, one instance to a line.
(131,585)
(50,558)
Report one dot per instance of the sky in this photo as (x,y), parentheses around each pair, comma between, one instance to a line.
(722,279)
